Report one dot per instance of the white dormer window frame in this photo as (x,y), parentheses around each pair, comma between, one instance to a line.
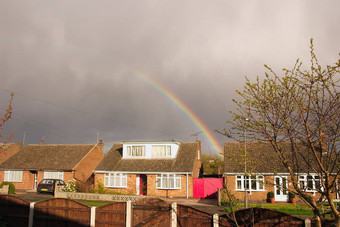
(150,150)
(135,151)
(161,151)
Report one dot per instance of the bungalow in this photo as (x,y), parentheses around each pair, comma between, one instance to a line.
(28,167)
(165,169)
(257,171)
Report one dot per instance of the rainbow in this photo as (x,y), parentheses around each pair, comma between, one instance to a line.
(193,117)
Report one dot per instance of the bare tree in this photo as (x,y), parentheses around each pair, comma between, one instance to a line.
(5,117)
(301,109)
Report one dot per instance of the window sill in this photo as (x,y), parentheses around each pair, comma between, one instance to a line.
(168,188)
(115,186)
(252,190)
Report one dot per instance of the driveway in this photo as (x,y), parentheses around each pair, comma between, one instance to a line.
(33,196)
(207,205)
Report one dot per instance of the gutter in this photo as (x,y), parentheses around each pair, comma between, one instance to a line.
(134,172)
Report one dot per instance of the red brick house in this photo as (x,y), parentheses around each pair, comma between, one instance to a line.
(7,150)
(259,171)
(164,169)
(62,161)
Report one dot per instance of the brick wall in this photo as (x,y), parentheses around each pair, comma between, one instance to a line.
(197,163)
(151,186)
(153,191)
(85,167)
(230,182)
(27,180)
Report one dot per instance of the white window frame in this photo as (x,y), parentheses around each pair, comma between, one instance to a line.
(166,151)
(131,152)
(308,182)
(252,180)
(168,181)
(115,180)
(51,174)
(13,175)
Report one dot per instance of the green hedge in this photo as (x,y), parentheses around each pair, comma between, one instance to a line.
(11,189)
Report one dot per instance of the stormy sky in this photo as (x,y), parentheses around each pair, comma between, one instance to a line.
(72,64)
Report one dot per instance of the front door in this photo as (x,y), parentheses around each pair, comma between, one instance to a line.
(143,184)
(280,187)
(35,182)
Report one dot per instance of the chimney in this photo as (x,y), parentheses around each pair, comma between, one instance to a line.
(101,146)
(199,149)
(20,146)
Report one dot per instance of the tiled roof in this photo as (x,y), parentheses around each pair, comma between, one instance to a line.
(4,146)
(48,157)
(5,152)
(184,161)
(262,158)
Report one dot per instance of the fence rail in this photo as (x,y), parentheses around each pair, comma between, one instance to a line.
(144,212)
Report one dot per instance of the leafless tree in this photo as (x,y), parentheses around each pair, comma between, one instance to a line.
(301,108)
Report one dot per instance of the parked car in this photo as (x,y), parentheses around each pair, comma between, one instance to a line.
(48,185)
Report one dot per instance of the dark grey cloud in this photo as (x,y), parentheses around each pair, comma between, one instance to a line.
(72,64)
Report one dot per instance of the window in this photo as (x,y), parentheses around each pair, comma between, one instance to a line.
(250,182)
(161,151)
(54,175)
(13,175)
(135,151)
(115,180)
(168,181)
(310,183)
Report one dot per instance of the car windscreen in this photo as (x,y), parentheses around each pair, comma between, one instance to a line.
(46,182)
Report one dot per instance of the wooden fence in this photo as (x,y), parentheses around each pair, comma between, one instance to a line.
(144,212)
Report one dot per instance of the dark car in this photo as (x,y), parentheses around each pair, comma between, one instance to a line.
(48,185)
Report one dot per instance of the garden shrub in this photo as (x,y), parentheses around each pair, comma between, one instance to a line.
(11,189)
(70,186)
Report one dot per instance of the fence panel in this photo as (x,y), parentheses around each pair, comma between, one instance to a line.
(188,216)
(60,213)
(151,212)
(14,211)
(111,215)
(261,217)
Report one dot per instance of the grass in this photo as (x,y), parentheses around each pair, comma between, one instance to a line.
(94,204)
(288,208)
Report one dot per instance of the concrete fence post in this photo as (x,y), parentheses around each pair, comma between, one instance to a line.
(128,214)
(308,222)
(219,195)
(93,217)
(31,215)
(174,214)
(215,220)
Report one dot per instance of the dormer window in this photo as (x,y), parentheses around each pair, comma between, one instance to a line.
(153,150)
(161,151)
(135,151)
